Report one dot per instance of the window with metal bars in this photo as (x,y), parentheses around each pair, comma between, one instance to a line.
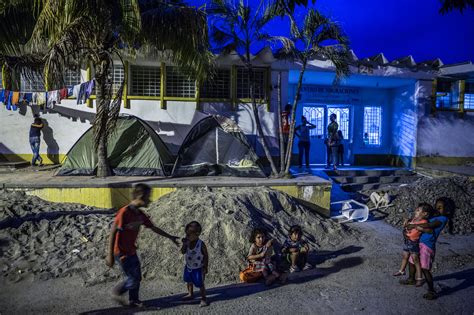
(118,75)
(179,83)
(217,87)
(469,96)
(315,115)
(373,125)
(243,83)
(36,84)
(71,78)
(342,119)
(444,96)
(145,81)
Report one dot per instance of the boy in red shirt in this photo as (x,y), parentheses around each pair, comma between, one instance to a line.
(122,247)
(412,235)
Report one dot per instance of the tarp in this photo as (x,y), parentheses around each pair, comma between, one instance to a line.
(216,146)
(133,149)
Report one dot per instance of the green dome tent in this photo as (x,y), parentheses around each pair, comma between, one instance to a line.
(217,146)
(133,149)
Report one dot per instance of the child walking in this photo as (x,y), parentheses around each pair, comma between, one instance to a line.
(260,254)
(296,250)
(196,261)
(122,248)
(411,248)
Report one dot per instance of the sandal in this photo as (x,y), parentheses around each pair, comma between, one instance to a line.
(399,273)
(419,282)
(407,282)
(307,266)
(431,295)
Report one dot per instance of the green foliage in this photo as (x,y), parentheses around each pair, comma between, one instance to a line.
(450,5)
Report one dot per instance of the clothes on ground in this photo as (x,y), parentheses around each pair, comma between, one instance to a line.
(414,234)
(127,233)
(429,239)
(265,263)
(427,256)
(131,268)
(193,276)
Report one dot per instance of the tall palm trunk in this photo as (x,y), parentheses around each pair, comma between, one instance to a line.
(101,118)
(258,123)
(289,149)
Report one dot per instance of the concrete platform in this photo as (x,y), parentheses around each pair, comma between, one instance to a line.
(115,191)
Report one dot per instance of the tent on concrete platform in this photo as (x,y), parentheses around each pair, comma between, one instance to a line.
(216,146)
(134,149)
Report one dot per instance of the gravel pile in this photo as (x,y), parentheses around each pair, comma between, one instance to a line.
(460,189)
(45,240)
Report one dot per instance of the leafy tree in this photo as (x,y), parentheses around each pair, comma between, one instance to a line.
(450,5)
(70,33)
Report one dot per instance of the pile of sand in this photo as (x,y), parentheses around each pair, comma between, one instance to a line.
(47,240)
(460,189)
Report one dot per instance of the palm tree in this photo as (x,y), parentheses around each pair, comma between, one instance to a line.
(319,36)
(236,27)
(96,32)
(461,5)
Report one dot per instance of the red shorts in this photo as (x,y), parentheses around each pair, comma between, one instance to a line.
(427,256)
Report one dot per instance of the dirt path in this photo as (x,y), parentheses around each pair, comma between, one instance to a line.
(356,278)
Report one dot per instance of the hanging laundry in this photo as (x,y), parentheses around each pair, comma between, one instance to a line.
(8,100)
(2,96)
(89,89)
(53,99)
(15,98)
(41,98)
(82,93)
(27,98)
(63,94)
(75,90)
(70,91)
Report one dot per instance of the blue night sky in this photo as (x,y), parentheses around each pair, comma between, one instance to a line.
(399,28)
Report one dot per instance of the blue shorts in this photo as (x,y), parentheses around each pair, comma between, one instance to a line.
(412,247)
(193,276)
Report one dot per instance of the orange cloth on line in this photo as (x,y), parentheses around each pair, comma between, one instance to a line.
(126,237)
(414,234)
(15,98)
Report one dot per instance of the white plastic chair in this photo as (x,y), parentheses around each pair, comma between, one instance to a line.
(353,210)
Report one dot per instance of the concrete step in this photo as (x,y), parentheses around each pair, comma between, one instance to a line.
(354,187)
(367,179)
(13,165)
(369,172)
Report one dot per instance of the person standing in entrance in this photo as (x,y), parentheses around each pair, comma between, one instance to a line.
(333,139)
(302,131)
(122,247)
(35,140)
(285,124)
(340,148)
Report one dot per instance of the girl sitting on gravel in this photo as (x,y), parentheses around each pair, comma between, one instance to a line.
(296,250)
(411,234)
(196,261)
(260,254)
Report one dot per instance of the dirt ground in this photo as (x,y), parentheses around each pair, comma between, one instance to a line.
(353,278)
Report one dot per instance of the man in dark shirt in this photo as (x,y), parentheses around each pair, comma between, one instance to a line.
(35,140)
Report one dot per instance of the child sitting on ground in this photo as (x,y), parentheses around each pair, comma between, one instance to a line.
(296,250)
(260,254)
(412,236)
(196,261)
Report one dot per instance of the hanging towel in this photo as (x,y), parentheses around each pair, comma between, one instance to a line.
(2,96)
(70,92)
(75,90)
(82,93)
(89,89)
(53,99)
(27,97)
(15,98)
(41,98)
(63,94)
(9,100)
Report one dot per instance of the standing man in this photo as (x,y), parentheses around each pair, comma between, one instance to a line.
(122,247)
(302,131)
(333,139)
(35,140)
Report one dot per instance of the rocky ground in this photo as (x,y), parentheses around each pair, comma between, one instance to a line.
(405,199)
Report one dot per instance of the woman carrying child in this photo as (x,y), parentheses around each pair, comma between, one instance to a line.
(260,254)
(411,248)
(196,261)
(296,250)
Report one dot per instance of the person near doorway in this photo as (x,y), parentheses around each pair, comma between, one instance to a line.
(333,139)
(302,131)
(285,124)
(328,153)
(340,149)
(35,140)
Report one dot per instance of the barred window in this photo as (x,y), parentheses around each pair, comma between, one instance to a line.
(342,118)
(145,81)
(469,96)
(118,76)
(35,84)
(315,115)
(444,95)
(217,87)
(179,83)
(373,125)
(243,83)
(72,77)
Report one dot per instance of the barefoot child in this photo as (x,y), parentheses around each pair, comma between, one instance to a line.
(122,248)
(411,248)
(260,254)
(196,261)
(296,250)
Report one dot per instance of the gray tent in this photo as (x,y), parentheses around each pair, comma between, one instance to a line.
(134,149)
(217,146)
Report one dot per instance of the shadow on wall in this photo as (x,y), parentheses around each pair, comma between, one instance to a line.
(72,114)
(7,155)
(52,149)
